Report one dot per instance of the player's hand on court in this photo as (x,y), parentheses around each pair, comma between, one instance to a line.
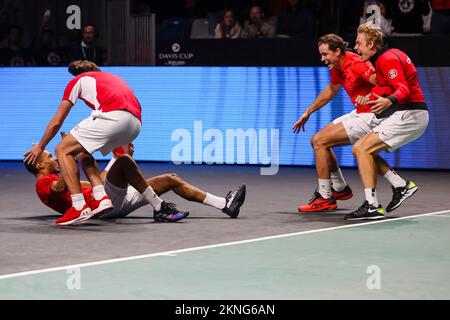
(362,100)
(32,155)
(380,104)
(300,124)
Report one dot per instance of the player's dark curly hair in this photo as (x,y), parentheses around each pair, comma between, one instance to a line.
(31,168)
(79,66)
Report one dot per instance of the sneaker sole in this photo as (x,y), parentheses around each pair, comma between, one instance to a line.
(365,218)
(412,192)
(330,208)
(344,197)
(240,201)
(186,214)
(78,220)
(104,207)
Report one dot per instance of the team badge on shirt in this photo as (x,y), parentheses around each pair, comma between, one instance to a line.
(392,73)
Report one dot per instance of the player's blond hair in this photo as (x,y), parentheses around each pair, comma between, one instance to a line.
(373,34)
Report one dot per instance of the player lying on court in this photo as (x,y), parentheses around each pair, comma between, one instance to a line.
(127,188)
(357,78)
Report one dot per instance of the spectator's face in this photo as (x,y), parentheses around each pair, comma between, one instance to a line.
(15,36)
(89,34)
(228,18)
(329,57)
(362,47)
(255,14)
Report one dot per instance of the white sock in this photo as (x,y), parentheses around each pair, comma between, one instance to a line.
(325,188)
(214,201)
(153,198)
(78,201)
(338,181)
(110,164)
(371,196)
(394,179)
(99,192)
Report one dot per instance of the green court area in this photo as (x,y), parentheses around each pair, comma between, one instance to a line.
(407,258)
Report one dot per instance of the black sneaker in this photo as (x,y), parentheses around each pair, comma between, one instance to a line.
(169,213)
(366,212)
(401,194)
(345,194)
(234,200)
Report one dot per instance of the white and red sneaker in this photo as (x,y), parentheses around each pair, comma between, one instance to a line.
(100,207)
(74,216)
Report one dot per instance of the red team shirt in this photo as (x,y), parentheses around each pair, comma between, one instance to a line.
(395,70)
(58,201)
(103,91)
(354,76)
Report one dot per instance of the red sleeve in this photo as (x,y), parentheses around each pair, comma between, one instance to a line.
(73,90)
(335,77)
(363,70)
(392,71)
(44,185)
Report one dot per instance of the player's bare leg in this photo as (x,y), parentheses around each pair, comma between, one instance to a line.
(171,181)
(365,150)
(230,204)
(328,169)
(81,211)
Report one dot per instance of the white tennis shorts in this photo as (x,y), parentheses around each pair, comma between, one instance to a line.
(402,127)
(124,201)
(104,131)
(357,125)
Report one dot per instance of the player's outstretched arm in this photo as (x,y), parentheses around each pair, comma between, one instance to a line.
(52,128)
(324,97)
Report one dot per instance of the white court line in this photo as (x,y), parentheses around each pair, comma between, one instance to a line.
(175,252)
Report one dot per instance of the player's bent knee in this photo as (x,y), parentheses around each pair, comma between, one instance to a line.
(319,141)
(359,148)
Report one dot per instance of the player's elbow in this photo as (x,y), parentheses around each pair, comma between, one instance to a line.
(56,123)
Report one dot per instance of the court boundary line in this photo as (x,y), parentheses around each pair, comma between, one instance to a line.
(218,245)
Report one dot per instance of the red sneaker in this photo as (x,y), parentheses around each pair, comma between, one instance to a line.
(318,203)
(74,216)
(100,207)
(342,195)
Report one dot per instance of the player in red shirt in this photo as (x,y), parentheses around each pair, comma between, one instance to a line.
(404,116)
(358,78)
(126,186)
(115,121)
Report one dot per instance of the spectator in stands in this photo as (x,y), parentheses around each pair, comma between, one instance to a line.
(4,23)
(298,20)
(45,52)
(440,21)
(407,15)
(14,54)
(257,27)
(385,24)
(228,28)
(87,49)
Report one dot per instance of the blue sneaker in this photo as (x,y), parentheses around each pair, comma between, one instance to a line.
(169,213)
